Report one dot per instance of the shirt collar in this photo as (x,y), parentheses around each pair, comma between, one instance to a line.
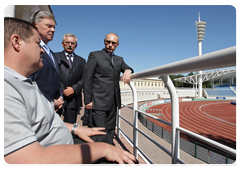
(43,45)
(109,53)
(10,72)
(66,54)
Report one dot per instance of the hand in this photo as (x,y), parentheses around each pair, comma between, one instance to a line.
(114,153)
(126,76)
(68,92)
(85,133)
(89,105)
(58,103)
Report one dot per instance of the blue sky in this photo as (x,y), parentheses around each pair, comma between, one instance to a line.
(150,35)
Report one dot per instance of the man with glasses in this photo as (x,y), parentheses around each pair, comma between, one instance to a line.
(71,69)
(101,86)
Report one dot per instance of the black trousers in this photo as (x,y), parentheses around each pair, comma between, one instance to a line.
(70,114)
(105,119)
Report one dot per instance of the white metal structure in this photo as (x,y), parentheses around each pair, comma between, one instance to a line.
(216,75)
(201,25)
(218,59)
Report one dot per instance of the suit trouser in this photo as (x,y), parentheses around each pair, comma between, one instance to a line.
(70,114)
(105,119)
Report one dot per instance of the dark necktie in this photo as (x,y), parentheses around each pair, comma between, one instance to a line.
(69,60)
(111,55)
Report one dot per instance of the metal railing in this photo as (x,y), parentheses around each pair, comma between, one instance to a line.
(189,145)
(217,59)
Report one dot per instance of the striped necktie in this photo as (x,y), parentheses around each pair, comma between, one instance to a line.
(49,53)
(47,50)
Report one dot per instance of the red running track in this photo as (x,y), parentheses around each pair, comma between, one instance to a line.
(213,119)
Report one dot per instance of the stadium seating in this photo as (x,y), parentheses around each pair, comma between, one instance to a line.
(224,90)
(223,87)
(233,86)
(220,93)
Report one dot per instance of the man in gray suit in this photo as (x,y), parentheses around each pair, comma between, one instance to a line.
(101,86)
(71,70)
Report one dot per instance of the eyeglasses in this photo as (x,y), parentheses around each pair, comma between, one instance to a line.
(68,42)
(109,42)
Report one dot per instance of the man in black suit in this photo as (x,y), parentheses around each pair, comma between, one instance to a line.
(101,86)
(71,69)
(47,77)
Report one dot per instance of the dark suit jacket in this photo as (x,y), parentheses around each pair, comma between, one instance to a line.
(71,77)
(47,78)
(101,80)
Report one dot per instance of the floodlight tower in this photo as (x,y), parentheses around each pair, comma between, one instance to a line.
(201,25)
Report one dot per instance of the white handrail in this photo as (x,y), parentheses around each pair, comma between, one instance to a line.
(217,59)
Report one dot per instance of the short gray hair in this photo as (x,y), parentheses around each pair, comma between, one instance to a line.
(69,35)
(38,15)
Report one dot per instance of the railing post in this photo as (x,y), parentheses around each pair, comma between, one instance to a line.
(118,123)
(175,117)
(226,158)
(195,149)
(135,120)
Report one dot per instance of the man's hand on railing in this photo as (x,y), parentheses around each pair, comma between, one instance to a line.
(115,154)
(126,76)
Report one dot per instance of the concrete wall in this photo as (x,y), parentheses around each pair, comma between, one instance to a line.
(143,95)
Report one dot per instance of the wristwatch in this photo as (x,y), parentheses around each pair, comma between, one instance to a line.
(75,125)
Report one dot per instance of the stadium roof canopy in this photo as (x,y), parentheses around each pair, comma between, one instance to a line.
(216,75)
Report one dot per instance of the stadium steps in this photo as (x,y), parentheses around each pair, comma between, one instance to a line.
(233,89)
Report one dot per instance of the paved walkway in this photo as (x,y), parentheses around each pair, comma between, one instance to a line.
(157,155)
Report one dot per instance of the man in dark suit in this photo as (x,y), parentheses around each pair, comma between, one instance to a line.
(47,77)
(71,69)
(101,86)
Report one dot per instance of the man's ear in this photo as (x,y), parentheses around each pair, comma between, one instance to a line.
(16,42)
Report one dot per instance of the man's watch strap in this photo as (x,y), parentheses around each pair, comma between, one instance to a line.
(74,128)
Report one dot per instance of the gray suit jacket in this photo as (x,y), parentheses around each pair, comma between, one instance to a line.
(101,80)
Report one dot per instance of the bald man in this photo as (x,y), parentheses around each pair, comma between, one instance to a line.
(101,86)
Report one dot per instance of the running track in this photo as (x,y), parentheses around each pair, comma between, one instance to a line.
(213,119)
